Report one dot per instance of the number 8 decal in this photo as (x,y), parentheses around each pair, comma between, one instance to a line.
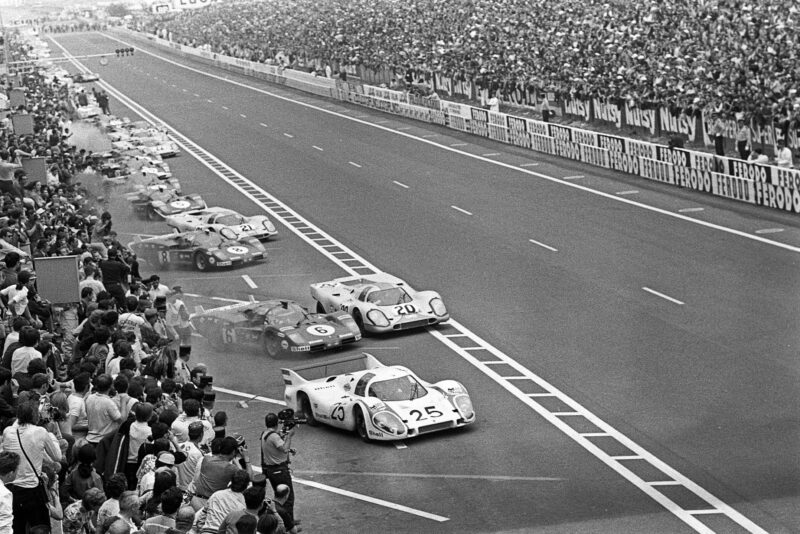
(164,256)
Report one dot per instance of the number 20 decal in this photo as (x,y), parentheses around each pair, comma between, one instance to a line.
(338,413)
(405,309)
(429,410)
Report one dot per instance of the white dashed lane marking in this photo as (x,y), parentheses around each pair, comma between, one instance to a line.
(354,164)
(264,125)
(461,210)
(690,210)
(249,282)
(242,115)
(529,164)
(663,296)
(577,177)
(290,136)
(400,184)
(209,101)
(491,154)
(225,107)
(548,247)
(629,192)
(459,144)
(315,147)
(769,231)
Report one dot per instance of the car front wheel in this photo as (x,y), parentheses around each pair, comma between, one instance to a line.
(201,261)
(361,425)
(305,409)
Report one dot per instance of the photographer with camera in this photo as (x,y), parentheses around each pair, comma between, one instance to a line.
(276,447)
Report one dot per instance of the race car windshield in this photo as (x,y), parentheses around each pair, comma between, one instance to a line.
(289,316)
(230,219)
(207,240)
(389,297)
(398,389)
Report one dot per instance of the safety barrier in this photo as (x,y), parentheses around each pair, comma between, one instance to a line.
(760,185)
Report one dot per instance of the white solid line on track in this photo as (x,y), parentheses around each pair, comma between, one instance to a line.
(459,144)
(576,177)
(491,154)
(508,478)
(769,231)
(690,210)
(249,396)
(399,445)
(378,348)
(628,192)
(315,147)
(264,125)
(242,115)
(239,182)
(663,296)
(400,184)
(373,500)
(290,136)
(461,210)
(548,247)
(249,282)
(354,164)
(529,165)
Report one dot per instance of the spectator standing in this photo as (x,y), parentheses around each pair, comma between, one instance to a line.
(221,503)
(253,499)
(9,463)
(494,103)
(215,472)
(194,455)
(192,412)
(275,450)
(114,489)
(139,433)
(15,297)
(102,411)
(717,134)
(178,317)
(22,357)
(115,276)
(77,419)
(33,444)
(744,140)
(783,156)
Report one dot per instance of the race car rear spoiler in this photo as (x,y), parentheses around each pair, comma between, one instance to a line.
(321,370)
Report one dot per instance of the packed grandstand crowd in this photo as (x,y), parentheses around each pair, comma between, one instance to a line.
(106,425)
(727,55)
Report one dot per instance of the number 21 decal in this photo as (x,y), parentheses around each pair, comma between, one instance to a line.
(429,410)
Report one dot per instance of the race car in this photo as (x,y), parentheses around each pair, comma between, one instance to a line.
(199,249)
(162,200)
(85,77)
(216,218)
(380,302)
(379,402)
(164,149)
(278,327)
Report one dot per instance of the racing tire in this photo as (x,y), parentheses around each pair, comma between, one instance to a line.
(272,346)
(304,406)
(151,214)
(361,425)
(201,262)
(359,322)
(320,307)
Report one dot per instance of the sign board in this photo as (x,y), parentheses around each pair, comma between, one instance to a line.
(23,124)
(16,98)
(36,169)
(57,279)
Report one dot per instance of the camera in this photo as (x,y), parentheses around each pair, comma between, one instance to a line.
(289,421)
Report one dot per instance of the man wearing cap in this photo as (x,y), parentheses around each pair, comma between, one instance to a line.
(275,451)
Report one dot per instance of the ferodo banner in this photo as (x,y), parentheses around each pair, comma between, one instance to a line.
(692,170)
(479,122)
(518,131)
(776,197)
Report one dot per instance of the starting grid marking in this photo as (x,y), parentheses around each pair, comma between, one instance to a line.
(356,265)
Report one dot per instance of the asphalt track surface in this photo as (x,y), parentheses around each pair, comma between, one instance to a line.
(681,335)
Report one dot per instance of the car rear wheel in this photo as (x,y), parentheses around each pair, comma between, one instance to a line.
(305,409)
(361,425)
(359,321)
(151,214)
(201,261)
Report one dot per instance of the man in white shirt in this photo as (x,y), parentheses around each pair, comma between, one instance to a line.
(77,419)
(783,156)
(91,280)
(758,156)
(221,503)
(29,337)
(16,297)
(191,414)
(9,462)
(102,411)
(194,455)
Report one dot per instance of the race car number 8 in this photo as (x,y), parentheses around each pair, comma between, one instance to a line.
(429,410)
(405,309)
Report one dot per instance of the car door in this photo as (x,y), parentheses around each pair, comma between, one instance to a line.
(339,409)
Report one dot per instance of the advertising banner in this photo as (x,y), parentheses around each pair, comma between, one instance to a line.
(479,122)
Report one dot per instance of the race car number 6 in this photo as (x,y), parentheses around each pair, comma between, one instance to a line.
(430,410)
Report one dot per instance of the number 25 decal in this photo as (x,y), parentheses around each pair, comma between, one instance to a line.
(338,413)
(405,309)
(429,410)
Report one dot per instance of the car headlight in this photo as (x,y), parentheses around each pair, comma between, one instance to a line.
(437,306)
(297,339)
(268,225)
(464,405)
(377,318)
(389,423)
(212,260)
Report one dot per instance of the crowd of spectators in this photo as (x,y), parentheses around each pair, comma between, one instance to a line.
(733,56)
(106,427)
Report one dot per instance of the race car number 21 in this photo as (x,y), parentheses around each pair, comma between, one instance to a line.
(429,410)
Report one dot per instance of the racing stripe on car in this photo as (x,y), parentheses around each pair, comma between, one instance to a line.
(601,440)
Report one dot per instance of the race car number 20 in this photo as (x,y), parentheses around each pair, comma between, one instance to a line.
(429,410)
(405,309)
